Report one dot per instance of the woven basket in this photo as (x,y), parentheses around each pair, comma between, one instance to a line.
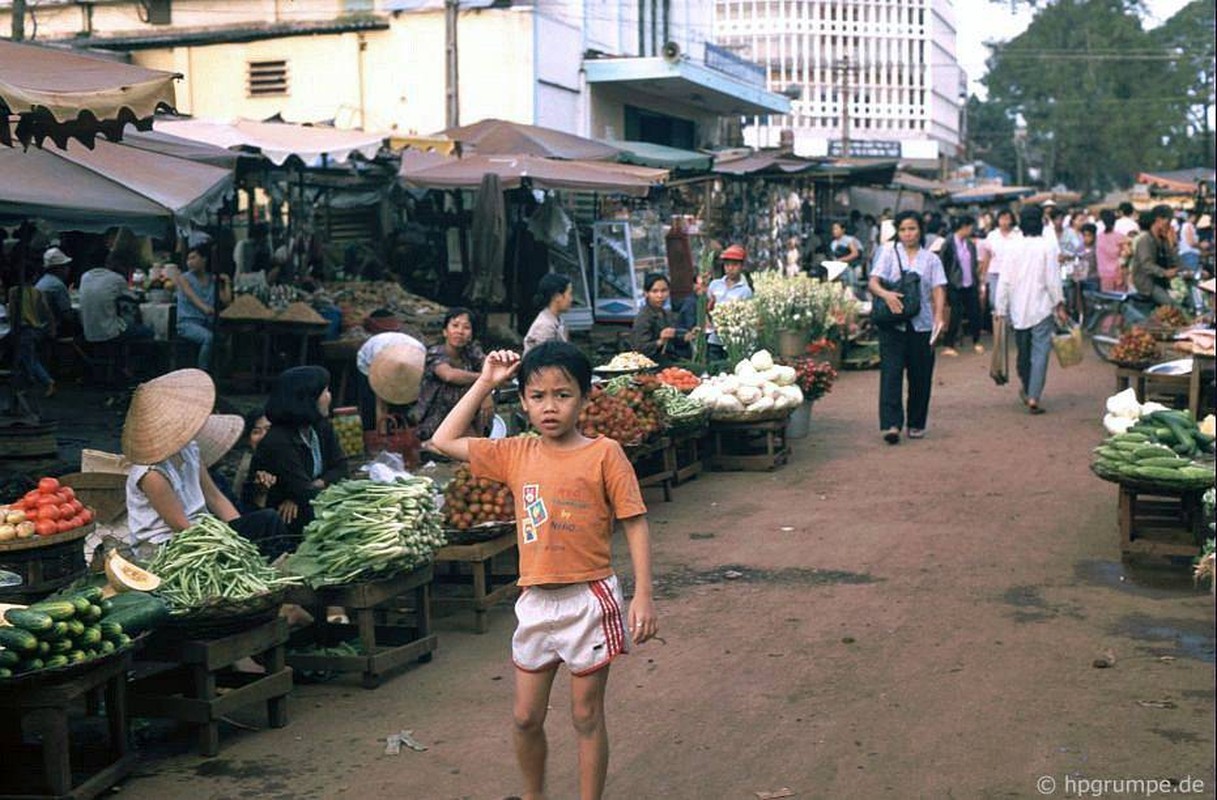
(1147,485)
(479,533)
(40,677)
(220,616)
(776,415)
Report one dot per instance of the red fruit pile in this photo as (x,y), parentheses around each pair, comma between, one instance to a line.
(51,507)
(610,416)
(470,501)
(1137,346)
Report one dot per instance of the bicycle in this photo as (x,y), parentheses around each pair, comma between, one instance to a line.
(1109,314)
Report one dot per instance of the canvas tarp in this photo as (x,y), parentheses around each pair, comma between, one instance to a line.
(314,145)
(91,190)
(169,145)
(500,137)
(647,154)
(541,173)
(61,94)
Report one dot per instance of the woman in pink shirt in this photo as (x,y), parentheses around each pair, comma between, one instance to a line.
(1107,253)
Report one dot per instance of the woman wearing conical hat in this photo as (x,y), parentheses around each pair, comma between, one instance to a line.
(168,436)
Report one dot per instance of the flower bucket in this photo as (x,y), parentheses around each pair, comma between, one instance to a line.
(799,423)
(791,343)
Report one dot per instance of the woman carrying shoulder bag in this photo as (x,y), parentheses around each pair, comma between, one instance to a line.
(906,345)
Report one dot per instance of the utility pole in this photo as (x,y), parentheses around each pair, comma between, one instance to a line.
(18,20)
(841,67)
(453,115)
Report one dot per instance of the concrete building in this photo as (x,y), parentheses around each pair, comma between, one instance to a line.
(596,68)
(880,74)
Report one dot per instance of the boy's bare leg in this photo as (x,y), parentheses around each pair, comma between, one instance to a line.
(587,713)
(531,703)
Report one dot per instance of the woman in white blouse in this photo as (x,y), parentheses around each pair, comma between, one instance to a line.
(556,294)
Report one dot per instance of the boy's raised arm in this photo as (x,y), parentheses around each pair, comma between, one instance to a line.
(449,438)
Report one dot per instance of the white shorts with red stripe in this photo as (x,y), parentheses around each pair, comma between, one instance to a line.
(582,625)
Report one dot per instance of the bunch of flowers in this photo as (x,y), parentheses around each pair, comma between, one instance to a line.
(814,378)
(801,303)
(738,325)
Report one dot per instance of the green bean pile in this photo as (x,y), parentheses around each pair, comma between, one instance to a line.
(362,529)
(210,561)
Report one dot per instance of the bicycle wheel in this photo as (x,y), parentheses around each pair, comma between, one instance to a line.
(1108,327)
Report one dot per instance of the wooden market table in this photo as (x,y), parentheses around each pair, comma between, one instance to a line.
(189,678)
(480,558)
(655,464)
(1156,520)
(45,770)
(45,564)
(749,446)
(688,446)
(385,642)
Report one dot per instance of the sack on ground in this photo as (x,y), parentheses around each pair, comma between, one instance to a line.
(1068,346)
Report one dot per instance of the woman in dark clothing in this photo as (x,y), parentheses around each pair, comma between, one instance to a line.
(656,333)
(301,449)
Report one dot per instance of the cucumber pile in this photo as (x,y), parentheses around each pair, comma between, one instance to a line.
(64,630)
(1160,448)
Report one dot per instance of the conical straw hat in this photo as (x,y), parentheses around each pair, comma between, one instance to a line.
(165,414)
(396,373)
(217,436)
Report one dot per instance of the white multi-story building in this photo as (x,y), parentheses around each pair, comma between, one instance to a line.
(880,74)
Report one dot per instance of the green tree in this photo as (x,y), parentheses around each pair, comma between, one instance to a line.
(991,134)
(1189,37)
(1091,86)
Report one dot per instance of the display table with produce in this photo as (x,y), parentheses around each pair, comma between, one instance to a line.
(688,445)
(1162,462)
(42,540)
(378,609)
(368,551)
(190,679)
(654,464)
(43,706)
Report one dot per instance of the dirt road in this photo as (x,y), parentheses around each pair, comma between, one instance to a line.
(868,622)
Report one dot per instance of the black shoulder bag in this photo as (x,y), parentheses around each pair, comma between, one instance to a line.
(909,286)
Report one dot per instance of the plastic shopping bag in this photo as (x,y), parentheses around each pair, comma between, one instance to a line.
(999,366)
(1067,344)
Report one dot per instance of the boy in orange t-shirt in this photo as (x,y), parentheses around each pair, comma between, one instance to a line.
(568,490)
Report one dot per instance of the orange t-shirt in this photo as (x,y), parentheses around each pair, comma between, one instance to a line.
(566,502)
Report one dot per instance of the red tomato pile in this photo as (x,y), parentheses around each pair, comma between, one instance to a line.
(470,501)
(610,416)
(52,508)
(679,378)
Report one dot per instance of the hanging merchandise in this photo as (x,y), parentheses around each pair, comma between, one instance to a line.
(550,224)
(767,219)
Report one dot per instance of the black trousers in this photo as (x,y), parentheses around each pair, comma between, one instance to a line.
(902,351)
(963,301)
(268,533)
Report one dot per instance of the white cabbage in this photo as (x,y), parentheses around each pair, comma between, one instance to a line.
(729,385)
(786,375)
(1124,404)
(1114,424)
(794,393)
(748,394)
(728,402)
(764,404)
(1151,407)
(762,360)
(771,390)
(745,368)
(751,380)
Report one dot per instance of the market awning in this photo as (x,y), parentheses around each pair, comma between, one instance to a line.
(648,154)
(62,95)
(91,190)
(990,194)
(540,173)
(170,145)
(686,83)
(501,137)
(915,183)
(774,162)
(1181,181)
(314,145)
(783,162)
(1061,198)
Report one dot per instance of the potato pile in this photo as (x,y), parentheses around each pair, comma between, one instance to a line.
(470,501)
(610,416)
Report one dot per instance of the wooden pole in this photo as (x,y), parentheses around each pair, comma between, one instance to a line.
(18,20)
(453,96)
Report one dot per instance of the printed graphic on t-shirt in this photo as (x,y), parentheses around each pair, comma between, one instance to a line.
(535,513)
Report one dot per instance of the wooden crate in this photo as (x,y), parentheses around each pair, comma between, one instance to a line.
(44,770)
(1161,523)
(190,679)
(689,448)
(482,577)
(655,464)
(385,642)
(749,446)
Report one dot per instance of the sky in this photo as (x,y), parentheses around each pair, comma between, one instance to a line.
(978,21)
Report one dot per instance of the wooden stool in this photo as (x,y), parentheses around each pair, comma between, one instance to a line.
(480,558)
(384,645)
(1168,525)
(44,707)
(185,675)
(749,446)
